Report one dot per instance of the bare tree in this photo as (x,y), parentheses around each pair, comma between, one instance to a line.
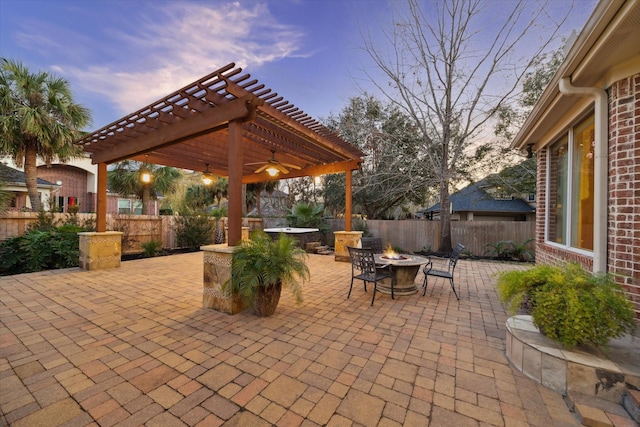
(392,177)
(451,72)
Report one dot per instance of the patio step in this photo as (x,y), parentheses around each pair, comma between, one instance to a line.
(595,412)
(324,250)
(312,247)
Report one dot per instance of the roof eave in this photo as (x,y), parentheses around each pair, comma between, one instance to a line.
(577,59)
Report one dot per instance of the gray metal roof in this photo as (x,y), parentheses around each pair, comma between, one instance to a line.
(16,177)
(474,199)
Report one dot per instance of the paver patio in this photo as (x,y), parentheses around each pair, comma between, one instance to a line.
(133,346)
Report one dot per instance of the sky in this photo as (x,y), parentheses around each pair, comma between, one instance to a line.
(120,56)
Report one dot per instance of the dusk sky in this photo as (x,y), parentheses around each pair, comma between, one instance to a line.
(121,55)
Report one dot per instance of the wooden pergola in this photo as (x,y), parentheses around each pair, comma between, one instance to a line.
(225,122)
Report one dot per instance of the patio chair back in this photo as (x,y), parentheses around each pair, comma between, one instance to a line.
(363,267)
(447,274)
(374,243)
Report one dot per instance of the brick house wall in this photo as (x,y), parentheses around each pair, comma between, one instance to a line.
(74,184)
(624,185)
(623,230)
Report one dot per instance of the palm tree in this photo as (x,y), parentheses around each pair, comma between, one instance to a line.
(221,189)
(38,119)
(254,192)
(125,179)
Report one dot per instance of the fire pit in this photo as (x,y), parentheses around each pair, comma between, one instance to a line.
(393,257)
(404,269)
(389,253)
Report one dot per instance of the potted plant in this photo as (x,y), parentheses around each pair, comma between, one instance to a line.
(260,267)
(569,304)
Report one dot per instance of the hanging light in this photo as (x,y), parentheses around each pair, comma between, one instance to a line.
(272,171)
(207,176)
(145,175)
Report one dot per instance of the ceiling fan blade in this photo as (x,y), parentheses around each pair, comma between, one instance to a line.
(262,168)
(290,166)
(255,163)
(281,168)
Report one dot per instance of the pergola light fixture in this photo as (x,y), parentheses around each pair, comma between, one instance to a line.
(145,177)
(207,176)
(273,167)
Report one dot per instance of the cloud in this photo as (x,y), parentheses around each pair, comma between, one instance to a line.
(182,42)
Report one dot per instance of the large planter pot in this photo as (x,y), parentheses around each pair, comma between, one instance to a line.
(266,299)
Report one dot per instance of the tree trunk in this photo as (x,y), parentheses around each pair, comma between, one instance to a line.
(31,176)
(445,219)
(146,196)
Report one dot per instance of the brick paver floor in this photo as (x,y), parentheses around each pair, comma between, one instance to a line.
(132,346)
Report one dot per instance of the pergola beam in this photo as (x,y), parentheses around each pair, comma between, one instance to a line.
(207,121)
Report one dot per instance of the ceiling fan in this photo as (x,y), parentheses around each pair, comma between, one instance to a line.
(274,167)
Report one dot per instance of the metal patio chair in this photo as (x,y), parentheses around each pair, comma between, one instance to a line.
(428,270)
(363,267)
(374,243)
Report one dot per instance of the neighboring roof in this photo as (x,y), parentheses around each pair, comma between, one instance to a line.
(474,199)
(189,129)
(607,46)
(16,177)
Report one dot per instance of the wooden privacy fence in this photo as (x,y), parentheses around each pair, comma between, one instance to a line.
(137,229)
(418,235)
(409,235)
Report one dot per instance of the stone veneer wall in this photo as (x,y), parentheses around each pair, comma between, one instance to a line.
(624,194)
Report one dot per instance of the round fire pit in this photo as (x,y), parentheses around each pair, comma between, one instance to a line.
(394,257)
(404,270)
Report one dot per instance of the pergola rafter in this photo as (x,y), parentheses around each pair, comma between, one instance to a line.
(230,122)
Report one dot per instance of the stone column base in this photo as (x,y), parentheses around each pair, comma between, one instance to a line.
(344,239)
(99,251)
(217,271)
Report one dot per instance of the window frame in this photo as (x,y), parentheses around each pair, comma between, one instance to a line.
(568,214)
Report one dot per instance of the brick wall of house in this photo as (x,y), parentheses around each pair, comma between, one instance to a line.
(623,233)
(74,184)
(624,185)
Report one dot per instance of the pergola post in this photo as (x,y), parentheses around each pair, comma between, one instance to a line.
(347,201)
(101,199)
(346,238)
(100,249)
(235,183)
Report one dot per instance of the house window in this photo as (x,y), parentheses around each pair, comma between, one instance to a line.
(137,207)
(124,206)
(570,188)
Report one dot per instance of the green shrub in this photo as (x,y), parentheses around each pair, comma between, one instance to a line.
(151,248)
(569,304)
(510,249)
(38,250)
(193,231)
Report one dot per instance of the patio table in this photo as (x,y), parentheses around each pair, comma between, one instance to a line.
(403,271)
